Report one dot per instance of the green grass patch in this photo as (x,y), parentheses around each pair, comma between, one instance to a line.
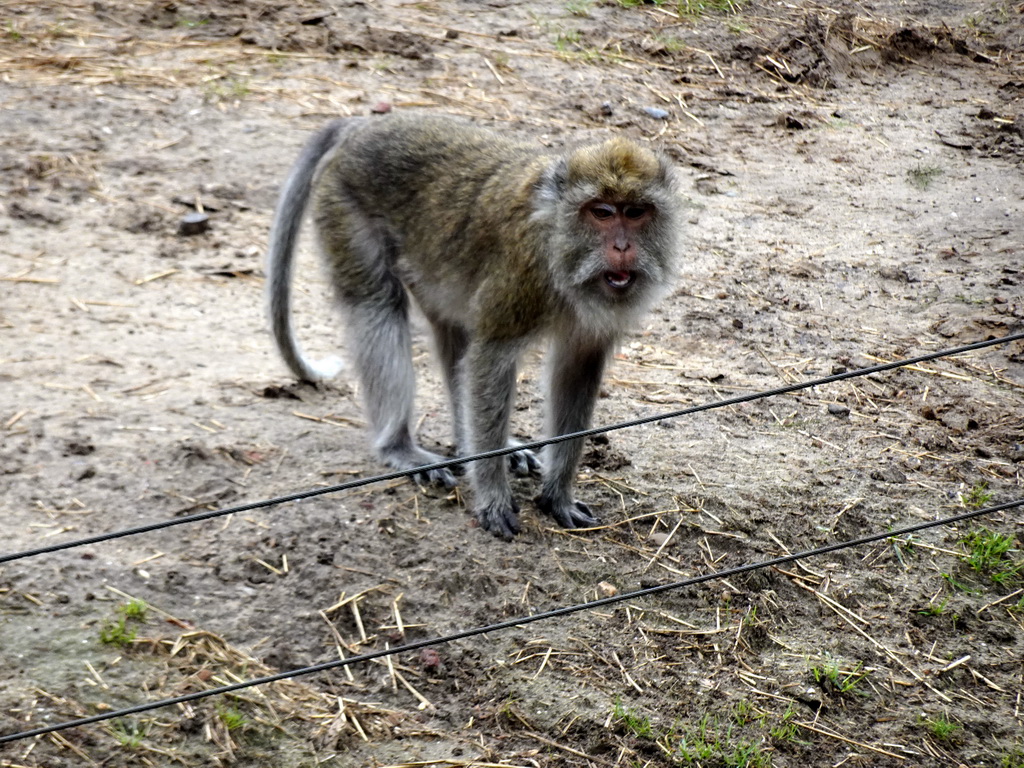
(991,554)
(922,176)
(134,609)
(702,7)
(715,743)
(228,89)
(637,724)
(579,7)
(830,675)
(1012,759)
(129,734)
(934,609)
(958,586)
(120,631)
(736,741)
(977,497)
(117,633)
(942,728)
(786,730)
(233,718)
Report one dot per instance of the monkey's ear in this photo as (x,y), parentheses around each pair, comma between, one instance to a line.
(668,172)
(551,185)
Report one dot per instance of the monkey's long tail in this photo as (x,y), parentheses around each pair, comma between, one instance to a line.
(284,238)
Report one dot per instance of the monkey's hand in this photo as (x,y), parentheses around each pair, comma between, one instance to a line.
(500,517)
(567,513)
(523,463)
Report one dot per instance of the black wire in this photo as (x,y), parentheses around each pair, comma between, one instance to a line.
(300,495)
(518,622)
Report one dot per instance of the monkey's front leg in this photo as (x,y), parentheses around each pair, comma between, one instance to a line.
(490,381)
(574,378)
(452,344)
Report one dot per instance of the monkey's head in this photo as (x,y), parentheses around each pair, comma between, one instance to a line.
(614,215)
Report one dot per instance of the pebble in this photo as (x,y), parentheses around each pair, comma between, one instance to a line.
(838,409)
(194,223)
(658,539)
(656,113)
(430,659)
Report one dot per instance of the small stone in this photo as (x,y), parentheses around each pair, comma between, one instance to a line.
(809,697)
(888,475)
(838,409)
(430,660)
(658,539)
(791,123)
(381,108)
(194,223)
(656,113)
(607,590)
(607,109)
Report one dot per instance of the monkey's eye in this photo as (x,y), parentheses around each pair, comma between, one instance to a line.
(635,212)
(602,211)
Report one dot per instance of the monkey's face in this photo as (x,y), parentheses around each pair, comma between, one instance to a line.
(619,251)
(611,213)
(611,259)
(618,227)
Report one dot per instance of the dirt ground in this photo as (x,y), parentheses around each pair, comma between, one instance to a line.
(854,194)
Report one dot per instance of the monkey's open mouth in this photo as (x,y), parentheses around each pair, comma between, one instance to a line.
(619,280)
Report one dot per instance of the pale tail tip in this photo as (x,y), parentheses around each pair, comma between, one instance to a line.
(327,368)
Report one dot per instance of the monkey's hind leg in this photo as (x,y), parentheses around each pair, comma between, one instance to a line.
(377,310)
(380,329)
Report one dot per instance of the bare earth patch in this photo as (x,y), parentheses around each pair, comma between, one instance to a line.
(855,195)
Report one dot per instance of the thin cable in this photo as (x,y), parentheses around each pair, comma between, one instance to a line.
(522,621)
(300,495)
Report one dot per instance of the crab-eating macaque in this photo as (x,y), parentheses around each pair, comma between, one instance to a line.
(499,244)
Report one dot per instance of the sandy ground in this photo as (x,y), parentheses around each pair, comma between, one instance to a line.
(854,195)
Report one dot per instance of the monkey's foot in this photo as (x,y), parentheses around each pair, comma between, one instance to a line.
(500,518)
(442,477)
(523,463)
(574,514)
(412,457)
